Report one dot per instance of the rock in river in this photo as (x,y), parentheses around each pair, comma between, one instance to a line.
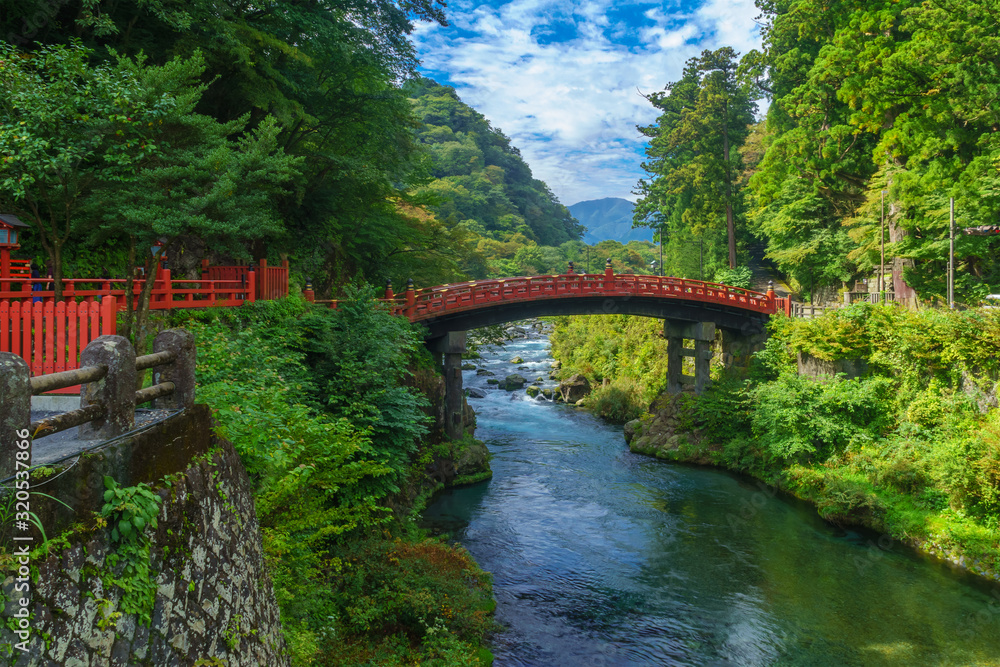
(512,382)
(575,388)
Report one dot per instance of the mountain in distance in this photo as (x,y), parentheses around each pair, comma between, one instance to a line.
(608,218)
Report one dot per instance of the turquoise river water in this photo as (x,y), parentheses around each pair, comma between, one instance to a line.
(604,557)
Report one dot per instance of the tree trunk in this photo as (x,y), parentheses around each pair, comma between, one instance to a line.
(126,331)
(142,311)
(142,314)
(57,269)
(730,225)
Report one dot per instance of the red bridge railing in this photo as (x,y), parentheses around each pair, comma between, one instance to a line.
(432,302)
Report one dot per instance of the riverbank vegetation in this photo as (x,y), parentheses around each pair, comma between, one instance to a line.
(321,407)
(911,447)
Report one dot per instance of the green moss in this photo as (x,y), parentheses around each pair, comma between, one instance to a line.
(466,480)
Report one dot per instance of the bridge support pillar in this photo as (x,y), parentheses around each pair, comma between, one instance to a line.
(451,346)
(703,335)
(738,348)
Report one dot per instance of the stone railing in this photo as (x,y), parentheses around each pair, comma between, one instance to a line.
(868,297)
(108,396)
(807,310)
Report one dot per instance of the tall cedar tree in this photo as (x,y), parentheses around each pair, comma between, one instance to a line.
(693,162)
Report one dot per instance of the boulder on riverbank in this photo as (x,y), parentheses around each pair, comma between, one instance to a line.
(473,463)
(575,388)
(513,382)
(532,391)
(663,429)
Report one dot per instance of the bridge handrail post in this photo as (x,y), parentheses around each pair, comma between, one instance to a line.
(609,276)
(411,299)
(180,371)
(115,392)
(15,409)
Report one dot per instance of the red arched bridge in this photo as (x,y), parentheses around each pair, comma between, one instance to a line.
(690,310)
(469,305)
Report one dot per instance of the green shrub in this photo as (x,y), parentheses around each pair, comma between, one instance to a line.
(724,410)
(360,355)
(616,402)
(802,419)
(848,501)
(839,334)
(969,469)
(741,276)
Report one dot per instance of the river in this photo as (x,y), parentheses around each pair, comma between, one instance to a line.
(604,557)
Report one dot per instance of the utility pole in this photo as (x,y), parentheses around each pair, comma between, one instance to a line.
(951,255)
(881,263)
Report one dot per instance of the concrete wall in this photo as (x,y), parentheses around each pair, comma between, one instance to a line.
(814,367)
(214,599)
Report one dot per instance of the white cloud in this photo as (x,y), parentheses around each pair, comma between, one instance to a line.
(572,107)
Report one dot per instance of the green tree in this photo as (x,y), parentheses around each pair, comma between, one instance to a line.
(66,129)
(884,95)
(693,162)
(211,181)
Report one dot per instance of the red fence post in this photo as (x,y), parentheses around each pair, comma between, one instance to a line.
(60,337)
(609,276)
(5,328)
(251,287)
(109,316)
(389,296)
(168,288)
(4,268)
(46,346)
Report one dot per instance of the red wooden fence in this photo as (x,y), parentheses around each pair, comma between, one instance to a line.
(272,281)
(167,292)
(50,336)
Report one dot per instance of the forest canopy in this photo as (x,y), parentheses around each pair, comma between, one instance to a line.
(868,101)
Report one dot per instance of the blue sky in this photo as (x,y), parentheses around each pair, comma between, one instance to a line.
(563,79)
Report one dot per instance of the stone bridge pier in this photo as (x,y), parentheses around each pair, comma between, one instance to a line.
(703,335)
(448,349)
(735,347)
